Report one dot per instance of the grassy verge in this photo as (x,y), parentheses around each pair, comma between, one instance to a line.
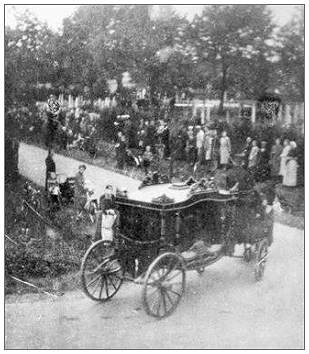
(48,258)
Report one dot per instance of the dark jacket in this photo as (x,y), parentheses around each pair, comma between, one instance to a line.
(238,174)
(50,167)
(107,203)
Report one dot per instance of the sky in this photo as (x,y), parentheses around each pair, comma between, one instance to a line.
(54,14)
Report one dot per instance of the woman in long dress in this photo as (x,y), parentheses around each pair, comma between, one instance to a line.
(290,177)
(275,153)
(225,149)
(283,156)
(253,156)
(209,149)
(263,169)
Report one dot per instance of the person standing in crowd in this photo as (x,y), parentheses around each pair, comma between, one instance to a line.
(141,140)
(50,165)
(151,134)
(160,147)
(190,146)
(253,157)
(178,151)
(52,120)
(80,196)
(209,149)
(199,143)
(283,157)
(160,129)
(63,137)
(246,151)
(290,177)
(263,163)
(91,142)
(225,149)
(275,153)
(147,158)
(121,148)
(215,150)
(165,136)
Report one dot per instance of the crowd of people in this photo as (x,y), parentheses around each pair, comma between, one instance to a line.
(143,140)
(140,147)
(278,163)
(56,125)
(70,128)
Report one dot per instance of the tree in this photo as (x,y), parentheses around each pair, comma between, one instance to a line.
(291,64)
(137,42)
(229,38)
(29,58)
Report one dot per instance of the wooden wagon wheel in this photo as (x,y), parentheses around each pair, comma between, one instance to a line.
(261,258)
(164,285)
(101,271)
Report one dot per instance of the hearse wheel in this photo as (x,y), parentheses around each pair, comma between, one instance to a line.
(164,285)
(261,258)
(101,271)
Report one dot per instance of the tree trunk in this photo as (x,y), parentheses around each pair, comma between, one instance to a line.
(11,159)
(223,89)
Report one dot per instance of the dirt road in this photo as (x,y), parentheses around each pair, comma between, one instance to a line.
(223,308)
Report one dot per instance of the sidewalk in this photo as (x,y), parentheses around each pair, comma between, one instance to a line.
(31,165)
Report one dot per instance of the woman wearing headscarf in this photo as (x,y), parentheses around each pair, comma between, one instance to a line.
(290,177)
(225,149)
(275,153)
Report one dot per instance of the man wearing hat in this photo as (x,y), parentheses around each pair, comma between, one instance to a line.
(199,142)
(190,146)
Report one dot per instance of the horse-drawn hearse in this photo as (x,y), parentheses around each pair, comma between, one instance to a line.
(165,230)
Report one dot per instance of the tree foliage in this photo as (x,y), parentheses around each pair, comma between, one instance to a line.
(291,66)
(228,50)
(232,41)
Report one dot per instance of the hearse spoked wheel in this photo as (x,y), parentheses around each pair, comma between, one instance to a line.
(101,271)
(164,285)
(261,258)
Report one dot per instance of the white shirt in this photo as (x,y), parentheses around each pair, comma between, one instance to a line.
(199,139)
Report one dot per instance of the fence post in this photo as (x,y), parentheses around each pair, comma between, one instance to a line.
(207,113)
(287,114)
(203,114)
(280,113)
(228,116)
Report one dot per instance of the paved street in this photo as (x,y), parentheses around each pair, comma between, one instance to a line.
(189,91)
(224,308)
(32,165)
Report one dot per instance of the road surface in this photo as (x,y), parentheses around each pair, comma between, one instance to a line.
(31,165)
(224,308)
